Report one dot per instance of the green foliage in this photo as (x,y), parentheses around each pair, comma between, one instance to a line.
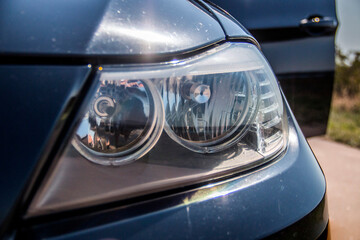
(344,120)
(344,126)
(347,74)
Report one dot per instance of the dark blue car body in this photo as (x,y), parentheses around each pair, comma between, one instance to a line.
(45,50)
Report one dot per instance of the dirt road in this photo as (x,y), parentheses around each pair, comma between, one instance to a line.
(341,165)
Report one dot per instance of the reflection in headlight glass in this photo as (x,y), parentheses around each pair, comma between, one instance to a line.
(120,119)
(168,125)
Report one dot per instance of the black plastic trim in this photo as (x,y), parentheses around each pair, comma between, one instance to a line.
(284,34)
(303,74)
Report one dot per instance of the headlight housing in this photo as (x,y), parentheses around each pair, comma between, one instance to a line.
(169,125)
(122,123)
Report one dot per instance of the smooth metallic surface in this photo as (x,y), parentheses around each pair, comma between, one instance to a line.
(112,27)
(302,55)
(259,14)
(29,116)
(317,219)
(232,28)
(253,205)
(286,190)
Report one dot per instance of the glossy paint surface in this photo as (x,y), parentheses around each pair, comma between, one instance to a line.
(253,205)
(30,112)
(65,29)
(259,14)
(232,28)
(301,56)
(114,27)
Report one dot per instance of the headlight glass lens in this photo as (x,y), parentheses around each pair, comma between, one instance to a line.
(208,113)
(122,122)
(168,125)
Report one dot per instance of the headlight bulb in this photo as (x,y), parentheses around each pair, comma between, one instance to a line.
(122,122)
(104,106)
(199,93)
(206,113)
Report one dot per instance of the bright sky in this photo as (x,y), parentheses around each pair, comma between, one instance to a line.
(348,33)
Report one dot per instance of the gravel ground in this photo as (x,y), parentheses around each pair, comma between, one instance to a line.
(341,165)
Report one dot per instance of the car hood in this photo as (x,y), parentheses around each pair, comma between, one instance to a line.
(86,27)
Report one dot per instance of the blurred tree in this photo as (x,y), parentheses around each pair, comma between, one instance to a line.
(347,74)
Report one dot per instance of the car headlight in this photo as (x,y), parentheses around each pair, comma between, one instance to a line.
(122,123)
(169,125)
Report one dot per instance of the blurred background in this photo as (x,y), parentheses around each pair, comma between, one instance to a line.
(344,121)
